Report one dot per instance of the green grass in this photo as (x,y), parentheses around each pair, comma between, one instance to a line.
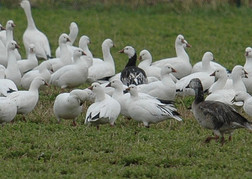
(42,148)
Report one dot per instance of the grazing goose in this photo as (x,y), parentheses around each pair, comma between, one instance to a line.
(226,95)
(214,115)
(12,71)
(33,36)
(149,110)
(44,71)
(246,98)
(70,105)
(104,110)
(164,89)
(72,36)
(145,64)
(248,69)
(182,62)
(132,74)
(105,68)
(65,57)
(27,100)
(207,64)
(31,62)
(6,86)
(74,74)
(8,110)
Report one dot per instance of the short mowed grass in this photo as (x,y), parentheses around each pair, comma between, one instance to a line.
(42,148)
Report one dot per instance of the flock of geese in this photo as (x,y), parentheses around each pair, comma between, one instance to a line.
(144,93)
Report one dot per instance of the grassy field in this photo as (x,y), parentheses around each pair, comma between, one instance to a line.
(42,148)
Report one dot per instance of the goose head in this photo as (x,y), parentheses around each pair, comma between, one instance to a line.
(84,41)
(248,52)
(1,27)
(145,55)
(167,69)
(107,43)
(25,4)
(238,71)
(195,84)
(32,49)
(63,39)
(115,84)
(132,90)
(73,28)
(180,40)
(128,50)
(78,53)
(207,57)
(37,82)
(96,88)
(12,45)
(219,73)
(10,25)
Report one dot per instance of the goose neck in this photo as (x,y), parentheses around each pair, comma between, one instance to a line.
(9,36)
(99,96)
(107,57)
(132,61)
(199,95)
(180,51)
(30,21)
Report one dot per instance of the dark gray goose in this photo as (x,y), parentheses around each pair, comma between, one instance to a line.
(132,74)
(216,116)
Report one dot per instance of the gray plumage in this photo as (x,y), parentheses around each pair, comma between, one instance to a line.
(216,116)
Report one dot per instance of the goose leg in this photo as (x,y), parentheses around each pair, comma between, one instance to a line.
(74,123)
(222,140)
(210,138)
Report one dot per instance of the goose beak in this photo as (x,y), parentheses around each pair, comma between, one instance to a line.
(127,89)
(46,84)
(17,46)
(68,40)
(13,25)
(246,74)
(173,70)
(188,45)
(213,74)
(140,58)
(83,53)
(121,51)
(108,85)
(214,59)
(233,100)
(246,54)
(90,87)
(2,28)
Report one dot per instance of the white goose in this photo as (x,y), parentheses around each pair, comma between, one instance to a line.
(6,86)
(2,34)
(8,110)
(27,100)
(145,63)
(33,36)
(72,75)
(248,69)
(31,62)
(70,105)
(221,76)
(83,44)
(149,110)
(44,71)
(107,67)
(65,57)
(226,95)
(104,110)
(12,71)
(182,62)
(164,89)
(246,99)
(72,36)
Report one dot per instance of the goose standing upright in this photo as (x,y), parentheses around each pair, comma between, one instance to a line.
(182,62)
(69,105)
(105,68)
(132,74)
(33,36)
(104,110)
(214,115)
(12,71)
(248,69)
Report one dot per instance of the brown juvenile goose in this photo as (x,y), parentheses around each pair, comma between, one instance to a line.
(214,115)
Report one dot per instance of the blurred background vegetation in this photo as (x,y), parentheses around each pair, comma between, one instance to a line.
(184,5)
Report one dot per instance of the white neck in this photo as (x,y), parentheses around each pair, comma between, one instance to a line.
(180,51)
(145,63)
(99,96)
(9,36)
(30,21)
(107,57)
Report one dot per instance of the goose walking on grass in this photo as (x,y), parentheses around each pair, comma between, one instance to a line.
(132,74)
(104,110)
(33,36)
(149,110)
(70,105)
(27,100)
(216,116)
